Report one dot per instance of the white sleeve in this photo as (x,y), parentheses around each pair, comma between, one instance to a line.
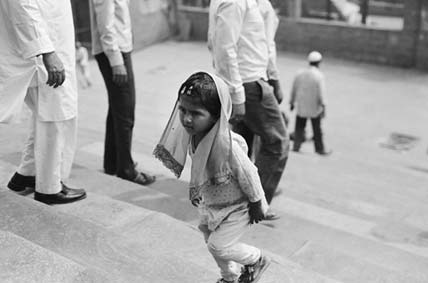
(105,16)
(246,174)
(228,23)
(29,27)
(271,23)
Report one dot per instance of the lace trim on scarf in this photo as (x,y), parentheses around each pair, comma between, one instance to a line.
(218,180)
(161,153)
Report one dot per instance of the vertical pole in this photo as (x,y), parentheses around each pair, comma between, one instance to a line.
(413,23)
(364,6)
(328,4)
(294,9)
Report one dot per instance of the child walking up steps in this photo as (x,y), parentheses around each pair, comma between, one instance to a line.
(224,183)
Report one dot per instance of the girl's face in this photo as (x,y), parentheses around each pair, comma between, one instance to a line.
(194,117)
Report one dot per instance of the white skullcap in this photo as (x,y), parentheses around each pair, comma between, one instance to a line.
(314,57)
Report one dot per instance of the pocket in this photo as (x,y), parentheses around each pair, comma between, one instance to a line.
(266,89)
(253,92)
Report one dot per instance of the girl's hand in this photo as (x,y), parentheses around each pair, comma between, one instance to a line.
(256,212)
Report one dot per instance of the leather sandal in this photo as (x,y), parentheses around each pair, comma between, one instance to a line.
(144,179)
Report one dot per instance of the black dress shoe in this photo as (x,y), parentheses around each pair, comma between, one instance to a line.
(20,183)
(66,195)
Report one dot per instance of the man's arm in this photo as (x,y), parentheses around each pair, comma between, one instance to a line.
(229,20)
(105,18)
(29,27)
(32,37)
(321,91)
(271,22)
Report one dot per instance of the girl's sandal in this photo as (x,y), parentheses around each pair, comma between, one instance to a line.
(144,179)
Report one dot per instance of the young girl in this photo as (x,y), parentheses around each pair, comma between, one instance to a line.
(224,183)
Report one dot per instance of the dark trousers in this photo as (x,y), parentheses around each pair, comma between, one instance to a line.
(263,118)
(120,119)
(299,133)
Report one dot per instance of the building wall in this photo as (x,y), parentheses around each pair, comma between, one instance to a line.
(404,48)
(343,41)
(151,21)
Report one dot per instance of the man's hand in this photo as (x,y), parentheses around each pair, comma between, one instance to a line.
(120,76)
(255,211)
(55,69)
(277,91)
(238,113)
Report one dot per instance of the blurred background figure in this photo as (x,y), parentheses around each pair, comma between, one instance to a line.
(308,93)
(82,66)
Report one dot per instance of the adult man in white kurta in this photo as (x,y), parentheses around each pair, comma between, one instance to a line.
(37,65)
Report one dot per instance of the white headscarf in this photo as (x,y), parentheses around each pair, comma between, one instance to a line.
(211,161)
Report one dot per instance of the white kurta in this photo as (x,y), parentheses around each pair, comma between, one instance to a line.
(308,92)
(27,29)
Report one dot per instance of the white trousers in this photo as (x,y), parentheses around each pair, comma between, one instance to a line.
(225,247)
(49,150)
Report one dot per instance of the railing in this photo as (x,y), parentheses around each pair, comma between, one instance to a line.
(194,3)
(379,13)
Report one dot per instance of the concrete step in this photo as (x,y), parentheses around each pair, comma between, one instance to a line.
(338,254)
(395,248)
(171,237)
(169,196)
(152,233)
(91,245)
(24,261)
(355,232)
(151,228)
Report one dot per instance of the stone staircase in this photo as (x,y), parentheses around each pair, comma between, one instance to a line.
(342,239)
(111,236)
(25,261)
(129,233)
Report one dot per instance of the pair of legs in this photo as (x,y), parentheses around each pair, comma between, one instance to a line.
(120,120)
(263,118)
(299,133)
(224,245)
(84,75)
(49,150)
(120,123)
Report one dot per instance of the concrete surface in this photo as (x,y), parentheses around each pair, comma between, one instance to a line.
(359,215)
(23,261)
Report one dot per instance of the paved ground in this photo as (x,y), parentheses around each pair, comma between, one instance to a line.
(359,215)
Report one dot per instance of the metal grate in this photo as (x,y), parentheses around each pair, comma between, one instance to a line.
(400,142)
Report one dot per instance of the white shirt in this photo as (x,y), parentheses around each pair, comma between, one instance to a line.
(29,28)
(238,41)
(308,92)
(111,29)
